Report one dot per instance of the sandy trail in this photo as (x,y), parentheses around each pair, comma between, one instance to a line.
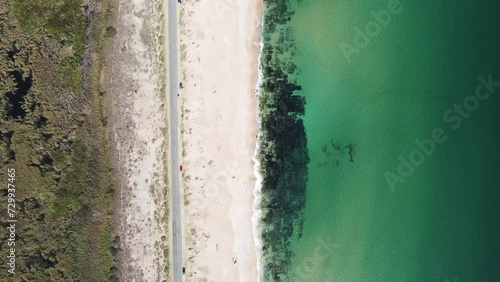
(219,53)
(139,130)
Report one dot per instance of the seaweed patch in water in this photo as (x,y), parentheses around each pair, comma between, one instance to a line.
(283,156)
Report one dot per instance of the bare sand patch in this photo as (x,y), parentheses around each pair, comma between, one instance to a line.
(139,128)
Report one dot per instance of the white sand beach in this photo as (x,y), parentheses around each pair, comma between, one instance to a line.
(219,60)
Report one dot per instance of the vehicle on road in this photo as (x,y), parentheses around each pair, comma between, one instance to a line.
(180,168)
(183,270)
(180,85)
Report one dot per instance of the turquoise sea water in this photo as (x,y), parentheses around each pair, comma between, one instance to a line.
(363,111)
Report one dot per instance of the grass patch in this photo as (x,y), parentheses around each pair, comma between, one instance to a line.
(52,132)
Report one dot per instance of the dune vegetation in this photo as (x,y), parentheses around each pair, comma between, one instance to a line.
(53,132)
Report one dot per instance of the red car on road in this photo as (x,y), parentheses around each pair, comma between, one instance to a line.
(180,168)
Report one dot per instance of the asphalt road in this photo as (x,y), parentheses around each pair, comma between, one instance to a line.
(175,187)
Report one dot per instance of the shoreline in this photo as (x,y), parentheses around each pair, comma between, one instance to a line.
(257,209)
(219,65)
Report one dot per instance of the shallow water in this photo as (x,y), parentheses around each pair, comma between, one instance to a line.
(365,109)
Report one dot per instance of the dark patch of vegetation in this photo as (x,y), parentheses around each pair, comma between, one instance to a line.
(51,132)
(110,31)
(284,157)
(16,98)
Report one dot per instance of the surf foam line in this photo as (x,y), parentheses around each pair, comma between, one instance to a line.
(257,192)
